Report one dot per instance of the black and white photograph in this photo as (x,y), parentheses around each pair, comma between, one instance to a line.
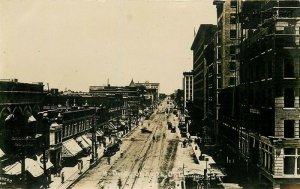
(150,94)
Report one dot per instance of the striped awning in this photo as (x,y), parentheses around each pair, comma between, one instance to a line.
(82,143)
(48,163)
(31,166)
(99,133)
(110,126)
(87,140)
(70,148)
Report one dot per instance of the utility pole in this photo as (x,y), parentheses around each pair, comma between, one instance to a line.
(23,167)
(94,144)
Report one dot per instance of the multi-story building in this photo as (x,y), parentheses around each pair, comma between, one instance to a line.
(227,40)
(202,39)
(124,103)
(269,89)
(259,116)
(187,87)
(24,134)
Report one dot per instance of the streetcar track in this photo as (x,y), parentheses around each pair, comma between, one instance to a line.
(140,166)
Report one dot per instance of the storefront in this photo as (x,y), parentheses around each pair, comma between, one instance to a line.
(109,128)
(70,152)
(84,143)
(33,173)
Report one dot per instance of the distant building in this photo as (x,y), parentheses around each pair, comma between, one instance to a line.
(188,86)
(152,90)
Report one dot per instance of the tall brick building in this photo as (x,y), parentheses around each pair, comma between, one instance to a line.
(202,39)
(269,89)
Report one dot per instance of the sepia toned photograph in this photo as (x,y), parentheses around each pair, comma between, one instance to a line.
(150,94)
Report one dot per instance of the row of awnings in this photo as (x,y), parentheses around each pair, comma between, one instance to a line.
(110,126)
(84,142)
(71,148)
(34,167)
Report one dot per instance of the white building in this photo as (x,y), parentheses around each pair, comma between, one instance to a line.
(188,83)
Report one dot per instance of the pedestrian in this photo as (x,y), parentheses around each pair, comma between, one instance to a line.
(49,177)
(62,174)
(80,166)
(153,138)
(108,160)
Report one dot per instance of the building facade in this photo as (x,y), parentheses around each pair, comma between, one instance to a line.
(24,134)
(188,86)
(203,37)
(269,89)
(257,63)
(152,90)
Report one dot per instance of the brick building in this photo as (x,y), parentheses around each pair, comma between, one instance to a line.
(202,39)
(269,89)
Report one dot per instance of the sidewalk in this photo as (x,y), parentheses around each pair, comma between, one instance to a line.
(72,173)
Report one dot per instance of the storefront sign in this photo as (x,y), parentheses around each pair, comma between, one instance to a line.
(4,181)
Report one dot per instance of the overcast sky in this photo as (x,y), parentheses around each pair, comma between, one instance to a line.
(74,44)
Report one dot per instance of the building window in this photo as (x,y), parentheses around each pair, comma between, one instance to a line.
(291,161)
(232,50)
(219,53)
(232,18)
(232,34)
(219,83)
(232,66)
(289,97)
(219,67)
(288,67)
(232,81)
(269,69)
(289,129)
(233,3)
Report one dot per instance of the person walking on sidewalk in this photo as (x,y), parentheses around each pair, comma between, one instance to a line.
(80,164)
(62,174)
(108,160)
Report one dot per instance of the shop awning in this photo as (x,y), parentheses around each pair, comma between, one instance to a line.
(99,133)
(87,140)
(70,148)
(48,163)
(84,143)
(31,166)
(31,119)
(1,153)
(110,126)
